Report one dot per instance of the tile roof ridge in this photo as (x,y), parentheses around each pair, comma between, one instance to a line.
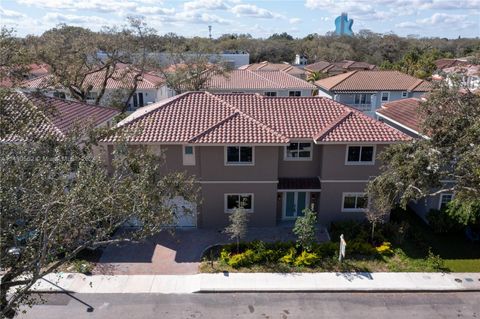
(275,83)
(340,119)
(40,112)
(251,118)
(152,108)
(211,128)
(415,85)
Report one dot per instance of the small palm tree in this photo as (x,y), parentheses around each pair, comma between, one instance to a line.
(314,76)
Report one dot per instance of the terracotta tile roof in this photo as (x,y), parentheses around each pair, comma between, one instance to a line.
(299,183)
(58,116)
(257,80)
(268,66)
(339,67)
(405,112)
(205,118)
(373,81)
(122,78)
(447,63)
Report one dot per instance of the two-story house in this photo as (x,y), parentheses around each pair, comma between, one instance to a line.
(405,116)
(151,87)
(366,91)
(268,83)
(278,155)
(269,66)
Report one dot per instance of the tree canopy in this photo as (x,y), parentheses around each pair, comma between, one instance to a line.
(448,160)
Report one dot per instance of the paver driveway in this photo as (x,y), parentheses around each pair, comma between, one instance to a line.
(178,253)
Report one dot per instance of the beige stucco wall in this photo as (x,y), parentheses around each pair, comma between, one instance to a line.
(331,202)
(212,211)
(333,165)
(311,168)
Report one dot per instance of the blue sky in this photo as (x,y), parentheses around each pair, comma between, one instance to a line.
(442,18)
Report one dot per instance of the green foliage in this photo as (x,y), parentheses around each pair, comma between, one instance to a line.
(237,229)
(385,248)
(417,169)
(441,222)
(417,62)
(306,259)
(435,262)
(83,266)
(289,257)
(244,259)
(304,229)
(362,248)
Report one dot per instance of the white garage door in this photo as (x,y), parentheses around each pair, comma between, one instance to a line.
(185,212)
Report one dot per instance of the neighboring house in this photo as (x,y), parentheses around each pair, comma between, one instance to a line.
(277,155)
(54,116)
(338,67)
(150,89)
(448,63)
(468,75)
(34,70)
(231,58)
(267,66)
(301,60)
(367,91)
(404,115)
(269,83)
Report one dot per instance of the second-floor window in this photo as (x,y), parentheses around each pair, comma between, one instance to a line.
(239,155)
(270,93)
(298,151)
(360,155)
(385,96)
(362,98)
(294,93)
(405,94)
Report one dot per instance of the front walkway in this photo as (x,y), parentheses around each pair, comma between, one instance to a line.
(179,253)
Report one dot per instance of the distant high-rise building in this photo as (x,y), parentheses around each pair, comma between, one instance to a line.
(343,26)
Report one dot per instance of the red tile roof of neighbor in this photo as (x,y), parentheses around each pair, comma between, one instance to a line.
(268,66)
(447,63)
(57,116)
(374,81)
(122,78)
(405,112)
(205,118)
(339,67)
(257,80)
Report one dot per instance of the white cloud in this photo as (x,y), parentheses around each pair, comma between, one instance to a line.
(251,10)
(295,20)
(155,10)
(407,24)
(196,18)
(86,21)
(4,13)
(438,20)
(103,6)
(205,4)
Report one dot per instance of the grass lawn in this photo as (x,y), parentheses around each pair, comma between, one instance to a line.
(412,255)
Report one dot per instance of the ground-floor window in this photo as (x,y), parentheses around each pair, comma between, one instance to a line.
(354,202)
(444,200)
(233,201)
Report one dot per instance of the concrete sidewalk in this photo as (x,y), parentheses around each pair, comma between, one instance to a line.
(258,282)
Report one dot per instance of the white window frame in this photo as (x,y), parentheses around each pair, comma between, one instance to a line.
(227,163)
(295,199)
(225,201)
(286,158)
(374,155)
(381,97)
(188,159)
(356,195)
(404,94)
(360,99)
(440,201)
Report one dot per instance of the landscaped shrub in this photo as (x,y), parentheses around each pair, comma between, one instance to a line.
(385,249)
(244,259)
(327,249)
(306,259)
(441,222)
(435,262)
(83,266)
(360,248)
(289,257)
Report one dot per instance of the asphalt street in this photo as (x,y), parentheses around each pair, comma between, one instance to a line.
(258,305)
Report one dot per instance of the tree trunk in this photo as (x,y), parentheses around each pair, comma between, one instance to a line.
(373,231)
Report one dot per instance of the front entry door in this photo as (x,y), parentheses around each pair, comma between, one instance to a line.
(294,203)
